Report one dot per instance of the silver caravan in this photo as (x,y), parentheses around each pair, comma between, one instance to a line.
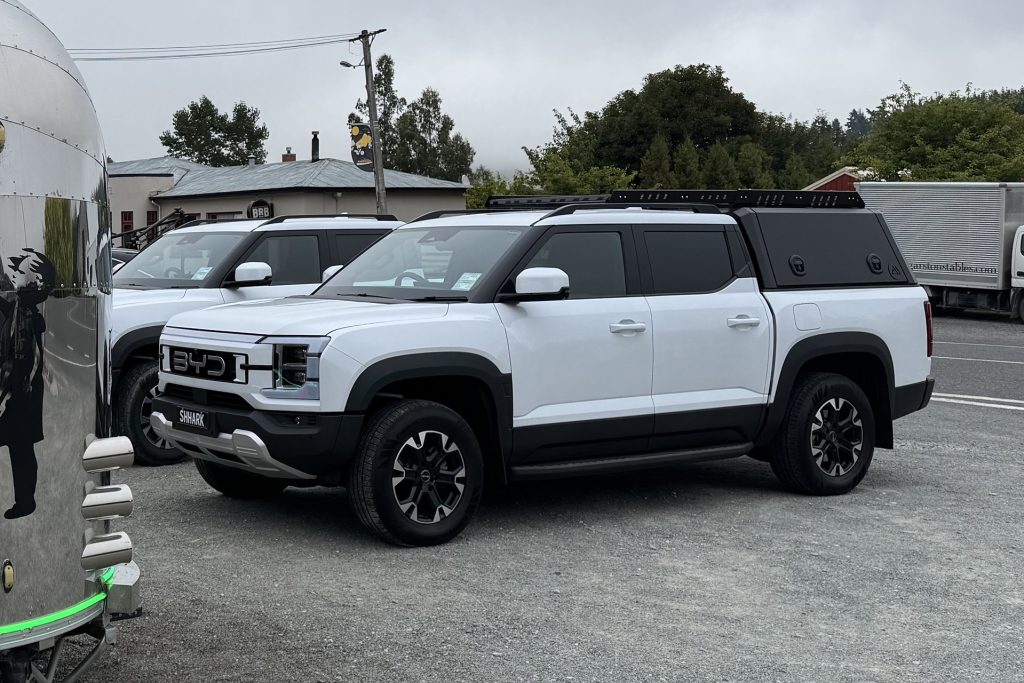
(963,241)
(63,568)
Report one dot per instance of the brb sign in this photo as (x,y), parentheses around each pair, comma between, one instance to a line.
(260,208)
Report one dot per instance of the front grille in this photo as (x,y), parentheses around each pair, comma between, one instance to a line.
(212,399)
(217,366)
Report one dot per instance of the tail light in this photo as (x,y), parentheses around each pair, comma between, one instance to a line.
(928,325)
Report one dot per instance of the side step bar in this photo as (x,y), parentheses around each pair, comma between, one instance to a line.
(572,468)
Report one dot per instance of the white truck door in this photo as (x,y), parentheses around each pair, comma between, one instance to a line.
(1017,260)
(294,258)
(581,367)
(712,335)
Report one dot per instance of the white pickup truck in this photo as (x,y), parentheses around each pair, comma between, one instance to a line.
(205,263)
(652,329)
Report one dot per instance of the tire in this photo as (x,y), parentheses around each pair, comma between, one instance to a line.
(235,483)
(1020,307)
(821,404)
(443,474)
(131,416)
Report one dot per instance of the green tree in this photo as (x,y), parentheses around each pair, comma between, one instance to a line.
(427,143)
(719,169)
(484,183)
(390,106)
(686,165)
(968,136)
(205,135)
(694,101)
(795,175)
(567,165)
(656,166)
(753,167)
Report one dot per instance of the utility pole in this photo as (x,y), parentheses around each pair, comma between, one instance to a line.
(366,37)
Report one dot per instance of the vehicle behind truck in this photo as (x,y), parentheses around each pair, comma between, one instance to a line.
(652,329)
(63,569)
(964,241)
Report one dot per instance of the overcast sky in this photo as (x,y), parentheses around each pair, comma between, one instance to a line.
(502,68)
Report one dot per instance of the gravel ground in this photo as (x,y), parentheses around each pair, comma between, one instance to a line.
(707,572)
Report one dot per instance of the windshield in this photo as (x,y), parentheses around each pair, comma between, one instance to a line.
(177,260)
(423,264)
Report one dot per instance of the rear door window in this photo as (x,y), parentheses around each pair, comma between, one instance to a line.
(690,261)
(347,245)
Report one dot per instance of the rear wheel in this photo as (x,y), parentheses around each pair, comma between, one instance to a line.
(827,439)
(417,476)
(132,412)
(235,483)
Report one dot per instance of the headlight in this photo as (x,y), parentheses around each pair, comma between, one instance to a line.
(296,366)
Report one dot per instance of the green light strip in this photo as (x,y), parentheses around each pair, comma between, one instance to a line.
(106,578)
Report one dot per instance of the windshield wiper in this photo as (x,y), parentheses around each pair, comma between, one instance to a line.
(368,296)
(440,298)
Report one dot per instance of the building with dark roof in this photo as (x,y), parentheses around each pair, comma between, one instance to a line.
(146,190)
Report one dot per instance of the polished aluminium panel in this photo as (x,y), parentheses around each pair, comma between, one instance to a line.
(54,319)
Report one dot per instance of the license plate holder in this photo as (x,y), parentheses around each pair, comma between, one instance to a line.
(194,421)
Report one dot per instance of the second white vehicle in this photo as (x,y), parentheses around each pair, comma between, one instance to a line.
(207,263)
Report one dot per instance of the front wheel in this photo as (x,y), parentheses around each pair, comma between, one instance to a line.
(132,412)
(417,476)
(827,439)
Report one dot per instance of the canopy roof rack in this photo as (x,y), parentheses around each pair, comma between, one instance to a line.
(525,202)
(737,199)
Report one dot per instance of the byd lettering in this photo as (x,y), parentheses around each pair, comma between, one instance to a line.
(201,363)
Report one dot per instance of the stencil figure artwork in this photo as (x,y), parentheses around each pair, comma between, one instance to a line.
(27,282)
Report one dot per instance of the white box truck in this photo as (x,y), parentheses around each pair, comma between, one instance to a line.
(964,242)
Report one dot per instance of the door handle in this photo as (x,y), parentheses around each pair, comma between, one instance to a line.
(626,326)
(743,321)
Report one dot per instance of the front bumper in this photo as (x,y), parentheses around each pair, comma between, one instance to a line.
(913,397)
(296,446)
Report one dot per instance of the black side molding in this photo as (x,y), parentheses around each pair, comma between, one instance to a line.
(573,468)
(912,397)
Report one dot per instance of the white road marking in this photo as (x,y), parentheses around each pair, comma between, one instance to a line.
(979,398)
(981,360)
(994,346)
(978,403)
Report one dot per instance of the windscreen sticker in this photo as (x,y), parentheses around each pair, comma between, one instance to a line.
(466,281)
(201,273)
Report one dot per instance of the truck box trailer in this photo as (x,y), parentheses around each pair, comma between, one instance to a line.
(964,242)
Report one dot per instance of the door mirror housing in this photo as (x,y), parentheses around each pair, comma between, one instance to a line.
(251,274)
(330,272)
(539,284)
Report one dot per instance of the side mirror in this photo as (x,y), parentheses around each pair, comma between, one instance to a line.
(330,272)
(251,274)
(539,284)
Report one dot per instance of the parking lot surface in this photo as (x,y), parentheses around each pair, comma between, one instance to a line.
(706,572)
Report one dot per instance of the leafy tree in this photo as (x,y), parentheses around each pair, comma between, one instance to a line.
(427,144)
(858,124)
(795,175)
(694,101)
(719,169)
(567,164)
(686,164)
(752,167)
(390,106)
(205,135)
(484,183)
(656,166)
(969,136)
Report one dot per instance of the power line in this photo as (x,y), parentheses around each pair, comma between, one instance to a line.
(340,36)
(190,52)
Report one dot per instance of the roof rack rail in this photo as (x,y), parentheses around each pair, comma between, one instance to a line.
(573,208)
(209,221)
(370,216)
(523,202)
(430,215)
(735,199)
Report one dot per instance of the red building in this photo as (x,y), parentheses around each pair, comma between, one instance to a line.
(840,181)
